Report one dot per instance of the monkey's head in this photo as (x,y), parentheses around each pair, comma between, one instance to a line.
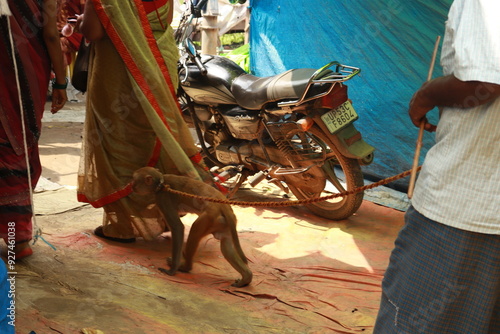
(146,180)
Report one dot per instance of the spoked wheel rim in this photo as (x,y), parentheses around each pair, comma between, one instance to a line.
(338,174)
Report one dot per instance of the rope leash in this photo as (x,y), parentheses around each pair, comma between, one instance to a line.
(297,202)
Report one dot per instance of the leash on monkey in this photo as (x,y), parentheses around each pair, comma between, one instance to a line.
(166,187)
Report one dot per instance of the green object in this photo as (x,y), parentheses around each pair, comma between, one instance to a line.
(234,2)
(240,56)
(55,85)
(359,147)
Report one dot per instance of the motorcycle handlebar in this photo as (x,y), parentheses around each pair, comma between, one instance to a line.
(196,9)
(200,65)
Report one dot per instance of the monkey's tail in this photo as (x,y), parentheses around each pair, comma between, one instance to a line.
(231,220)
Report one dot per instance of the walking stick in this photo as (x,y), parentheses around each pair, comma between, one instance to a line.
(413,175)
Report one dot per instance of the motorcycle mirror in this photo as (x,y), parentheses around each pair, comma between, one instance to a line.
(197,7)
(190,48)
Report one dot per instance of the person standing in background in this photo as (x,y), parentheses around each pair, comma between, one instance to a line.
(25,69)
(444,272)
(68,11)
(70,40)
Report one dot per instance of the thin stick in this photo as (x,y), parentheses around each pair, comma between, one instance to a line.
(413,176)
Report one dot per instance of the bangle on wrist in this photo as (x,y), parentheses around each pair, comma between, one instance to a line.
(55,85)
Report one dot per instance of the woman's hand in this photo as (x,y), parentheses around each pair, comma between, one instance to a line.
(59,98)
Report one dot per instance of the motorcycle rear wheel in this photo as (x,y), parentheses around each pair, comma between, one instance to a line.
(338,174)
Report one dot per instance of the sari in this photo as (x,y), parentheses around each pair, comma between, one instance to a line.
(34,69)
(133,118)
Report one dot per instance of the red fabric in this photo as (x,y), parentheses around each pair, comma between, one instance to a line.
(34,73)
(156,52)
(33,66)
(69,9)
(151,5)
(21,221)
(15,202)
(127,190)
(197,158)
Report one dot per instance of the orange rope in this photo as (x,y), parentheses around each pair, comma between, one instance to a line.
(297,202)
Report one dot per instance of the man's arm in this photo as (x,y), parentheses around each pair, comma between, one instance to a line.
(448,91)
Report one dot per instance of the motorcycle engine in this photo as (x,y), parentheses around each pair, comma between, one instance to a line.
(227,149)
(215,134)
(233,152)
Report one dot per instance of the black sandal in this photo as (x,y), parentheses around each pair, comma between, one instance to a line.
(99,232)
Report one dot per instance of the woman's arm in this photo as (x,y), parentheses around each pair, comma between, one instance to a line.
(52,41)
(89,25)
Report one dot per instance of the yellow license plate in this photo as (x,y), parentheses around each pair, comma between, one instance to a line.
(339,117)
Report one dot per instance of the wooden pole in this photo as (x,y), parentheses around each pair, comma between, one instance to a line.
(209,35)
(413,175)
(209,30)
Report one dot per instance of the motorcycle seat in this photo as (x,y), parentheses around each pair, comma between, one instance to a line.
(253,92)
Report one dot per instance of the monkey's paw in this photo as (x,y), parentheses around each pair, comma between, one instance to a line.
(240,283)
(183,267)
(169,272)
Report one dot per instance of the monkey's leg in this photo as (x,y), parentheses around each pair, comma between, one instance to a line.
(199,229)
(232,256)
(176,226)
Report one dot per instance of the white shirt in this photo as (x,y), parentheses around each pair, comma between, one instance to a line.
(459,184)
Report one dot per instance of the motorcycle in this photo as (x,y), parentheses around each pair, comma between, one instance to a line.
(294,129)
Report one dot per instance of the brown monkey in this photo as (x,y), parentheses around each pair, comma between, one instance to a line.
(215,218)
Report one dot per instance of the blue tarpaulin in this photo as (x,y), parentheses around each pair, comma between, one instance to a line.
(391,41)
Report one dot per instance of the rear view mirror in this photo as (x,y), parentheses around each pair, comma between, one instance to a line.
(190,48)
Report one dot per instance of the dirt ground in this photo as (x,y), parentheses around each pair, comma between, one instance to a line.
(311,275)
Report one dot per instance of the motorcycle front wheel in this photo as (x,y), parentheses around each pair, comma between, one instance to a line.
(338,174)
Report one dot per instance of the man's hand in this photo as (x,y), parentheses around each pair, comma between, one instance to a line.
(449,91)
(419,106)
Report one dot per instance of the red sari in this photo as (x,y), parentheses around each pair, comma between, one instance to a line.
(33,65)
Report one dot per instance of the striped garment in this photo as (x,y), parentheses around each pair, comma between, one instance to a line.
(441,280)
(459,184)
(25,26)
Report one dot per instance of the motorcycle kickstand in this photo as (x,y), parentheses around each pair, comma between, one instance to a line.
(242,178)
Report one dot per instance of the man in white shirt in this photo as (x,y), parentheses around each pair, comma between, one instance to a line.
(444,273)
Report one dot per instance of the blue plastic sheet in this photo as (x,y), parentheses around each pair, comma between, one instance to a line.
(391,41)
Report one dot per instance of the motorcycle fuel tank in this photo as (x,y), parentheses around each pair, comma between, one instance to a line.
(214,88)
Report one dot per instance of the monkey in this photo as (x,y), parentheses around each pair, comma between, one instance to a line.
(213,218)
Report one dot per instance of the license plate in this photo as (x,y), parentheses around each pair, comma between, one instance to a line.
(339,117)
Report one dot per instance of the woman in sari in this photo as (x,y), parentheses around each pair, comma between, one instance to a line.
(133,118)
(29,44)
